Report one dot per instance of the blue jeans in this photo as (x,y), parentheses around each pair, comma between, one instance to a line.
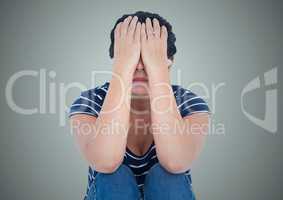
(159,185)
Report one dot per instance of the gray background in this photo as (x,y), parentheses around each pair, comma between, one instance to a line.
(218,41)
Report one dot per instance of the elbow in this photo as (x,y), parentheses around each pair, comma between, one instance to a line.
(106,166)
(176,167)
(182,163)
(104,163)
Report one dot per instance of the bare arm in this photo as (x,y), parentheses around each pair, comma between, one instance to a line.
(178,140)
(104,146)
(177,143)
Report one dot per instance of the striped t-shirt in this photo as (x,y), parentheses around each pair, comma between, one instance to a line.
(90,103)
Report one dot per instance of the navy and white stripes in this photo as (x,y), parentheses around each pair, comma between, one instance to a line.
(90,102)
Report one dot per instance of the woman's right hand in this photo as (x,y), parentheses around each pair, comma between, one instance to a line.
(127,46)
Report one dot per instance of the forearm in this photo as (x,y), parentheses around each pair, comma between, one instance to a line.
(174,144)
(107,142)
(112,123)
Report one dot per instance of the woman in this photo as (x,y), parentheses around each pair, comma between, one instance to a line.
(136,131)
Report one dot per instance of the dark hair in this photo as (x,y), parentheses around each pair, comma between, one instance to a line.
(171,48)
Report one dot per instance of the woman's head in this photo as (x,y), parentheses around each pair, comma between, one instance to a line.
(139,87)
(171,47)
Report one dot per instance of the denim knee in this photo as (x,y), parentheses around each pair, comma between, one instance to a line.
(120,184)
(158,169)
(158,173)
(122,174)
(162,184)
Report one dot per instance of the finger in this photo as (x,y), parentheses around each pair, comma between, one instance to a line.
(149,28)
(117,31)
(124,26)
(117,34)
(143,33)
(164,36)
(164,33)
(138,32)
(156,27)
(132,25)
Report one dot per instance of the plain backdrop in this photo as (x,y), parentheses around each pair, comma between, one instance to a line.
(220,42)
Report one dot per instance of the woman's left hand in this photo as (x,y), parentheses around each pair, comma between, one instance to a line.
(154,48)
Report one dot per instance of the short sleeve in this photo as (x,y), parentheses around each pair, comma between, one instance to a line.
(189,102)
(89,102)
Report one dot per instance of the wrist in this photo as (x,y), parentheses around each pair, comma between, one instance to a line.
(159,75)
(123,69)
(122,76)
